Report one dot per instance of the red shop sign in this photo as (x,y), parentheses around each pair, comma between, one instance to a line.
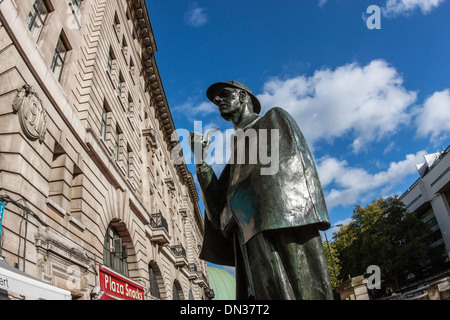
(116,286)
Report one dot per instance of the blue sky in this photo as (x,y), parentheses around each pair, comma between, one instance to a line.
(370,102)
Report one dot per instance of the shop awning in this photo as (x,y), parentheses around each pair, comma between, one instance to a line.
(16,281)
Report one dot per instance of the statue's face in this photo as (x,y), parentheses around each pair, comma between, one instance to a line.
(228,102)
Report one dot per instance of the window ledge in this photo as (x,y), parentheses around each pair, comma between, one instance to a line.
(77,223)
(56,206)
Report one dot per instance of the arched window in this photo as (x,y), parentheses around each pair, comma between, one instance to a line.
(177,291)
(115,252)
(154,288)
(176,296)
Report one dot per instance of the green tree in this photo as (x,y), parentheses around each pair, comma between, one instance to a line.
(385,234)
(334,266)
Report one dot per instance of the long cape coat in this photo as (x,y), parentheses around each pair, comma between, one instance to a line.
(244,200)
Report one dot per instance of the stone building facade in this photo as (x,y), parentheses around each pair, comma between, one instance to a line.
(86,136)
(429,197)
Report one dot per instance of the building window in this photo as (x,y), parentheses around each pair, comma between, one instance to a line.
(116,23)
(120,82)
(115,252)
(177,291)
(110,62)
(128,161)
(124,43)
(132,68)
(117,144)
(447,196)
(37,17)
(104,125)
(59,58)
(111,58)
(432,222)
(130,104)
(154,288)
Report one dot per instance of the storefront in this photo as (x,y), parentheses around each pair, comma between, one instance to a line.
(17,283)
(114,286)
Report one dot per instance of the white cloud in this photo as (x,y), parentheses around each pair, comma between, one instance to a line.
(434,118)
(391,146)
(396,7)
(348,185)
(367,103)
(192,108)
(362,104)
(393,8)
(322,3)
(196,16)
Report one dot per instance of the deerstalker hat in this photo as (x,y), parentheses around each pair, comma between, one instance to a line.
(214,89)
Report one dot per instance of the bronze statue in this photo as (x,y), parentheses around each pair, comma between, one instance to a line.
(266,225)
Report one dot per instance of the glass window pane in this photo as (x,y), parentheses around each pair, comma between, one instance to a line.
(104,122)
(57,67)
(36,18)
(59,58)
(117,146)
(154,288)
(112,252)
(110,62)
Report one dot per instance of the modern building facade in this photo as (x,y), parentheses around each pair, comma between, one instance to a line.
(95,203)
(429,196)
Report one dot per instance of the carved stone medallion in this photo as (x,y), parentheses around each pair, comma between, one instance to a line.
(32,115)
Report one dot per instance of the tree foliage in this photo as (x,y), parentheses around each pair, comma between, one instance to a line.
(334,266)
(385,234)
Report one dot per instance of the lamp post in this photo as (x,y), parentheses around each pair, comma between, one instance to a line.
(329,250)
(2,210)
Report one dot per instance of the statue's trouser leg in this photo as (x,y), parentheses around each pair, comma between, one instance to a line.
(289,264)
(244,283)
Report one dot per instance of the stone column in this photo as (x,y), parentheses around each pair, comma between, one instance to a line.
(441,210)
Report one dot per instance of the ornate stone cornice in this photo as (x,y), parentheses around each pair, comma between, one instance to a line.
(152,78)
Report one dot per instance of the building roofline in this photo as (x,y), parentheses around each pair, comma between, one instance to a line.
(441,156)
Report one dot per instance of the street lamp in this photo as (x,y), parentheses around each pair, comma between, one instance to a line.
(329,250)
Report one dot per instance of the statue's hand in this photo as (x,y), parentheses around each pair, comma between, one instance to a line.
(199,145)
